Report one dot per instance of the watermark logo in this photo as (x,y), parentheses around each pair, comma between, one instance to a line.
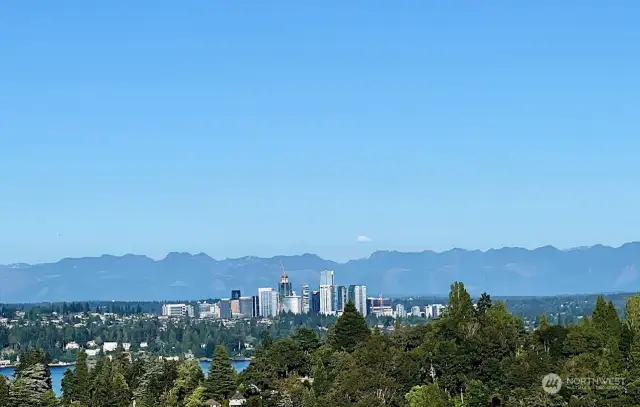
(551,383)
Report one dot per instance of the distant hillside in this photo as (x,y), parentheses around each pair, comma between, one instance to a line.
(506,271)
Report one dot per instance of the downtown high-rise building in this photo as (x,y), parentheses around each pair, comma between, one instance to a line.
(225,308)
(341,298)
(284,289)
(255,306)
(357,294)
(306,299)
(328,304)
(268,302)
(246,306)
(315,302)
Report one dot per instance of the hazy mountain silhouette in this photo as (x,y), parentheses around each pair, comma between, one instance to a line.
(507,271)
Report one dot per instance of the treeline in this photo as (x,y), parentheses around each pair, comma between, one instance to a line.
(475,355)
(34,310)
(164,338)
(117,382)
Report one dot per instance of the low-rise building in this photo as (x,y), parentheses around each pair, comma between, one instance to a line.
(71,346)
(237,400)
(109,346)
(177,310)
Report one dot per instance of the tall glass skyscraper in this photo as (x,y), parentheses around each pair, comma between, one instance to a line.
(341,297)
(357,294)
(306,299)
(327,292)
(268,302)
(284,289)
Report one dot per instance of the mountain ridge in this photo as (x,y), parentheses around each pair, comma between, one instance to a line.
(545,270)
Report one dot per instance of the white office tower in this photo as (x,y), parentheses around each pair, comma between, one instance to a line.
(292,303)
(415,311)
(268,300)
(306,299)
(357,294)
(327,287)
(433,311)
(177,310)
(400,311)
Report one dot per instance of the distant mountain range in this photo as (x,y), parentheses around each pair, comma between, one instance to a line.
(508,271)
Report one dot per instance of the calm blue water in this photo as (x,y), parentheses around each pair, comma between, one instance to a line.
(58,371)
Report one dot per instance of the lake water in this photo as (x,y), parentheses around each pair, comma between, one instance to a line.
(58,371)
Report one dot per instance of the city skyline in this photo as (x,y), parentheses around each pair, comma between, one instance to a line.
(270,302)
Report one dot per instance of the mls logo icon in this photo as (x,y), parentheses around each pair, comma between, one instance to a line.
(551,383)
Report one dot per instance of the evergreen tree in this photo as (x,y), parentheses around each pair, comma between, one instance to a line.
(220,384)
(4,391)
(82,380)
(600,314)
(102,387)
(34,381)
(350,330)
(50,400)
(68,385)
(613,324)
(484,303)
(626,339)
(121,396)
(20,395)
(35,357)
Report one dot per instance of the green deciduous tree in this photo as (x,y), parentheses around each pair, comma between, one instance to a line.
(460,305)
(426,396)
(197,398)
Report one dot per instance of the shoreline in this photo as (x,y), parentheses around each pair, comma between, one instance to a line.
(67,364)
(59,364)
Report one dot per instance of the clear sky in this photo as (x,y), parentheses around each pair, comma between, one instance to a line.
(279,127)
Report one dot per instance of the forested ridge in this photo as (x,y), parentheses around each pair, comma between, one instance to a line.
(475,355)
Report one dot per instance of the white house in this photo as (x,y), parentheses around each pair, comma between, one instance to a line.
(144,345)
(237,400)
(92,352)
(71,346)
(126,346)
(109,346)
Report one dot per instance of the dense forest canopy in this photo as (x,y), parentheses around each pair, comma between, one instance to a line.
(477,355)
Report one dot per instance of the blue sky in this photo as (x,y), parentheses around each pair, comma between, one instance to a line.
(281,127)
